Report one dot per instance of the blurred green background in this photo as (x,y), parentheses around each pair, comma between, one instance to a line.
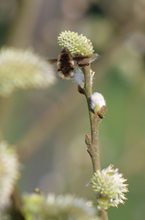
(48,126)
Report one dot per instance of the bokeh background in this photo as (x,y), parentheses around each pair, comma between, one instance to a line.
(48,126)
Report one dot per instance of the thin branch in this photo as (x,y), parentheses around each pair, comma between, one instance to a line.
(93,146)
(92,140)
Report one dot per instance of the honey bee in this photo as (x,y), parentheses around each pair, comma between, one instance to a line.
(67,63)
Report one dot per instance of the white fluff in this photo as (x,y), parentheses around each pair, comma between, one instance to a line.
(79,77)
(97,101)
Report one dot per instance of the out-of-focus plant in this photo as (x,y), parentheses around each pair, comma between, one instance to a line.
(9,173)
(23,69)
(61,207)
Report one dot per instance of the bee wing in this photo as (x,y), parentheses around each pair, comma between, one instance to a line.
(85,60)
(52,60)
(94,57)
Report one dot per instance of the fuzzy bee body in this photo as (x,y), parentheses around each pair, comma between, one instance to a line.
(65,64)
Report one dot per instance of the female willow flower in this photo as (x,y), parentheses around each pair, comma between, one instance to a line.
(23,69)
(110,187)
(58,208)
(75,43)
(9,172)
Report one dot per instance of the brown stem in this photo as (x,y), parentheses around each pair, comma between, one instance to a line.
(93,146)
(15,211)
(103,215)
(92,141)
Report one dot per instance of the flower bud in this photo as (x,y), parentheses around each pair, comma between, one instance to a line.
(98,104)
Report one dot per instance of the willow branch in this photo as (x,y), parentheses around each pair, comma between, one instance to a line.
(92,140)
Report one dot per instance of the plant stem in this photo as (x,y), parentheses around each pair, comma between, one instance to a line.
(92,140)
(15,211)
(93,145)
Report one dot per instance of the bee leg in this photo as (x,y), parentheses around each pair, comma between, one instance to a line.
(83,64)
(81,90)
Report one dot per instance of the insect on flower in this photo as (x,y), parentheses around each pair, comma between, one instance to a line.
(67,63)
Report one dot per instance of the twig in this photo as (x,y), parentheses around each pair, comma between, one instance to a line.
(91,140)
